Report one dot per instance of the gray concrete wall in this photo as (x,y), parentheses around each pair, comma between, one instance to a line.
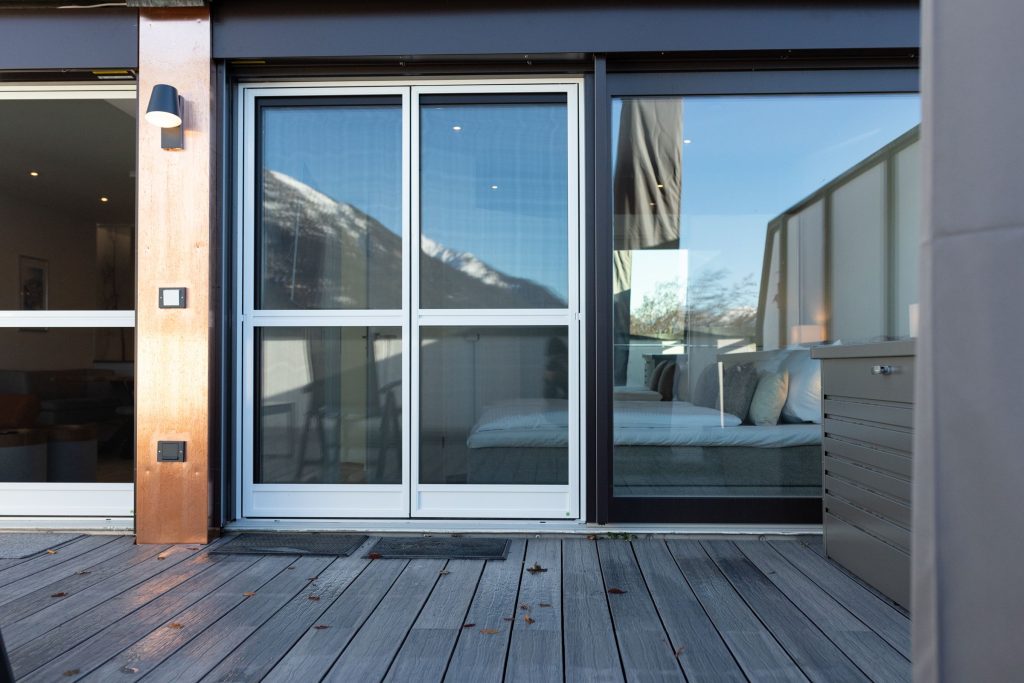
(968,596)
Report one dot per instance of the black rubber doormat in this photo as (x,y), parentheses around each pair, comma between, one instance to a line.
(406,548)
(340,545)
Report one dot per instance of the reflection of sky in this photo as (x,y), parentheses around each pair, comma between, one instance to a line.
(497,187)
(752,157)
(352,154)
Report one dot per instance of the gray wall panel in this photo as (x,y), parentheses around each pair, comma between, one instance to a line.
(251,29)
(69,39)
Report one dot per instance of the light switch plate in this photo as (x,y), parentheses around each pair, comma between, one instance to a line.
(172,297)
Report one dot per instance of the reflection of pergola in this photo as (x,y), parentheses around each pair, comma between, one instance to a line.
(648,199)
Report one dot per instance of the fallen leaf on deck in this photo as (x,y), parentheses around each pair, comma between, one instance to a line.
(443,572)
(507,619)
(468,625)
(523,605)
(130,669)
(535,568)
(72,672)
(321,627)
(680,650)
(488,631)
(544,604)
(616,591)
(191,548)
(51,552)
(161,557)
(83,573)
(249,594)
(373,556)
(58,595)
(175,626)
(313,578)
(528,619)
(591,537)
(314,598)
(289,567)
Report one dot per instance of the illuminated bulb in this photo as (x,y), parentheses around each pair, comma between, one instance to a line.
(687,141)
(494,187)
(104,199)
(456,128)
(34,174)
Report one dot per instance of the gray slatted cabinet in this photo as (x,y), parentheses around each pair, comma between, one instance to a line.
(868,408)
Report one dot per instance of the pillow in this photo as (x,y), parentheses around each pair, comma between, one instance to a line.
(769,398)
(803,404)
(667,381)
(738,383)
(656,375)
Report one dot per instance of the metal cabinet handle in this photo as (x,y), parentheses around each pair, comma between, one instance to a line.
(883,369)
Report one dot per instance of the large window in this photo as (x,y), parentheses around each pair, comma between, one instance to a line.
(745,230)
(67,299)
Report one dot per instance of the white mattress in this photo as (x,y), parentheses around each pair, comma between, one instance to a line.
(544,423)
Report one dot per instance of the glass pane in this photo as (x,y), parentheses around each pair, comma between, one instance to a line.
(330,405)
(67,405)
(494,405)
(67,204)
(329,223)
(493,205)
(747,229)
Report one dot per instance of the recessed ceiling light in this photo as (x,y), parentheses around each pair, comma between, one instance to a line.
(34,174)
(687,141)
(456,128)
(104,199)
(494,187)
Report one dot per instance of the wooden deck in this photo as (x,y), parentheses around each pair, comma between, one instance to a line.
(103,609)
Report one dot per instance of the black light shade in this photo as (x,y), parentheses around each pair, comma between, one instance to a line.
(164,110)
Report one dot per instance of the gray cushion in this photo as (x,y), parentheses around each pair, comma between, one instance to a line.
(769,397)
(739,383)
(667,381)
(656,375)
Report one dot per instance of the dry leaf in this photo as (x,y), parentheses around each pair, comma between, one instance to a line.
(130,669)
(51,551)
(680,650)
(175,626)
(523,605)
(321,627)
(544,604)
(249,594)
(72,672)
(468,625)
(536,568)
(591,537)
(373,556)
(616,591)
(528,619)
(58,595)
(161,557)
(488,631)
(289,567)
(191,548)
(83,573)
(443,572)
(507,619)
(314,598)
(313,578)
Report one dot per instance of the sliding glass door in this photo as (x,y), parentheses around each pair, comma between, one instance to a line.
(409,327)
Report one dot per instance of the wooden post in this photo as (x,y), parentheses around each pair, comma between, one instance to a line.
(175,209)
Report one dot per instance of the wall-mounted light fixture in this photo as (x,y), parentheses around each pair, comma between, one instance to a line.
(164,111)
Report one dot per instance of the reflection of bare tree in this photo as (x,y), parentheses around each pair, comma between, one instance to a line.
(714,305)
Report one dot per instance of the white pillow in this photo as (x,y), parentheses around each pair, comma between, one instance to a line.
(769,398)
(803,404)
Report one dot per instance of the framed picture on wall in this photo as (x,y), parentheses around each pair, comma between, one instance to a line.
(33,285)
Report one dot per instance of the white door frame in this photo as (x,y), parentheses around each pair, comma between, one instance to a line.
(408,499)
(35,500)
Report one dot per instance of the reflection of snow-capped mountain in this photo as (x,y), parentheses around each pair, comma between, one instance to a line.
(320,253)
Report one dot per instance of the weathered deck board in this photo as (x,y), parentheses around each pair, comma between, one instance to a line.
(19,569)
(369,654)
(591,652)
(427,648)
(480,653)
(865,648)
(717,610)
(535,650)
(814,653)
(756,651)
(201,654)
(702,652)
(149,652)
(318,648)
(95,650)
(647,653)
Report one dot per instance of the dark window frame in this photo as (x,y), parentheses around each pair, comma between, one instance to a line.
(604,507)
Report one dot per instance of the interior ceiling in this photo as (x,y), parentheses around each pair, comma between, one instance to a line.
(82,149)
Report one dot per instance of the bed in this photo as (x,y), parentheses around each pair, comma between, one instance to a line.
(661,448)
